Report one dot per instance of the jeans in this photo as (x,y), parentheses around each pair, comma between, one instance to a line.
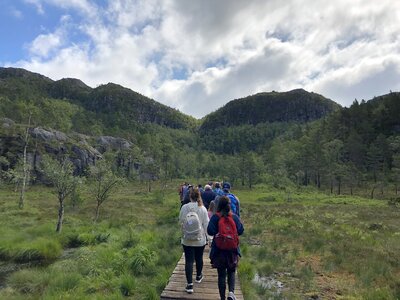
(222,272)
(193,254)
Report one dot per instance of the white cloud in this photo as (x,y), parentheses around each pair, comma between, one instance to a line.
(83,6)
(44,44)
(197,55)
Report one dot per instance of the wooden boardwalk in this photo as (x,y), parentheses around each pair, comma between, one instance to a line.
(206,290)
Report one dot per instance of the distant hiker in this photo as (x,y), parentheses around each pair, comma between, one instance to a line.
(217,189)
(193,218)
(186,195)
(226,228)
(208,195)
(234,201)
(200,187)
(182,189)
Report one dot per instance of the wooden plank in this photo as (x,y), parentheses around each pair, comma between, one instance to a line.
(206,290)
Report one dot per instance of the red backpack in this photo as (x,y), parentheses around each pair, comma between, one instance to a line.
(227,237)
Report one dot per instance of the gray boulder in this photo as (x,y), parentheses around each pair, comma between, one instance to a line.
(106,143)
(7,123)
(48,136)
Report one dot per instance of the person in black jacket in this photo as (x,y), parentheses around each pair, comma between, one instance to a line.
(207,195)
(224,260)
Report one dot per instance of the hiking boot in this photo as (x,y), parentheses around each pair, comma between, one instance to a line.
(231,296)
(199,278)
(189,288)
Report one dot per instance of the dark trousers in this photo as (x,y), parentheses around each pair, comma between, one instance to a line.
(193,254)
(222,272)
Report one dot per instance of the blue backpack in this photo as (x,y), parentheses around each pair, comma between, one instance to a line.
(234,204)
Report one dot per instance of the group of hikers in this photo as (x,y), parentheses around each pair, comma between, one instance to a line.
(210,216)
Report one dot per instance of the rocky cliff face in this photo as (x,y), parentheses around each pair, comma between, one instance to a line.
(82,151)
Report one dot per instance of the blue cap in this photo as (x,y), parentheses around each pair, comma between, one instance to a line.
(226,186)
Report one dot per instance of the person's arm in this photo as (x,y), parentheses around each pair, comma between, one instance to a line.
(212,228)
(206,220)
(182,215)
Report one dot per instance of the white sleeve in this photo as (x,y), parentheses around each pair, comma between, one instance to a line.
(182,215)
(205,218)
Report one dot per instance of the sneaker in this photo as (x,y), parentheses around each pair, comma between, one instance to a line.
(189,288)
(231,296)
(199,278)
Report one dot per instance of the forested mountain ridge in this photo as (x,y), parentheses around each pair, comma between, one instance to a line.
(293,106)
(303,138)
(113,104)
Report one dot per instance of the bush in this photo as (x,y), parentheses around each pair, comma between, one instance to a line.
(40,250)
(127,285)
(141,259)
(29,281)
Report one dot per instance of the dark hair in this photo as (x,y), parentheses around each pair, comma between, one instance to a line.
(195,196)
(223,206)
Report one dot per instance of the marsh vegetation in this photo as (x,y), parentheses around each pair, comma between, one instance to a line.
(309,246)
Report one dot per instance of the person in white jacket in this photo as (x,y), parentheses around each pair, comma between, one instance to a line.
(193,219)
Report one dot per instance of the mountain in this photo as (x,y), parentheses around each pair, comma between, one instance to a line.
(293,106)
(112,104)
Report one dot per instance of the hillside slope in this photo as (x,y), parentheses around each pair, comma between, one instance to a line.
(113,104)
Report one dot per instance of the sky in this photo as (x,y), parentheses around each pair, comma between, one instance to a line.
(196,56)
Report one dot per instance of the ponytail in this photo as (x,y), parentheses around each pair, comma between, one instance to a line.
(195,196)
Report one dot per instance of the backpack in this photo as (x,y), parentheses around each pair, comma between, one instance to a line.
(192,229)
(227,237)
(218,191)
(234,204)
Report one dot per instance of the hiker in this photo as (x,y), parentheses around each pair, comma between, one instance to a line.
(217,189)
(193,218)
(182,189)
(186,195)
(211,211)
(234,201)
(225,253)
(208,195)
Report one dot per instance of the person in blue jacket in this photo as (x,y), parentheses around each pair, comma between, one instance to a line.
(224,260)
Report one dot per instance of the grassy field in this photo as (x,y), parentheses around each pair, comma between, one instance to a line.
(306,246)
(315,246)
(130,252)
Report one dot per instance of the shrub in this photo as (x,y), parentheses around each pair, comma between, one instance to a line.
(40,250)
(127,285)
(29,281)
(141,259)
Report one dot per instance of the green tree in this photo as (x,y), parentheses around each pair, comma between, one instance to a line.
(333,154)
(253,168)
(60,174)
(26,168)
(104,181)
